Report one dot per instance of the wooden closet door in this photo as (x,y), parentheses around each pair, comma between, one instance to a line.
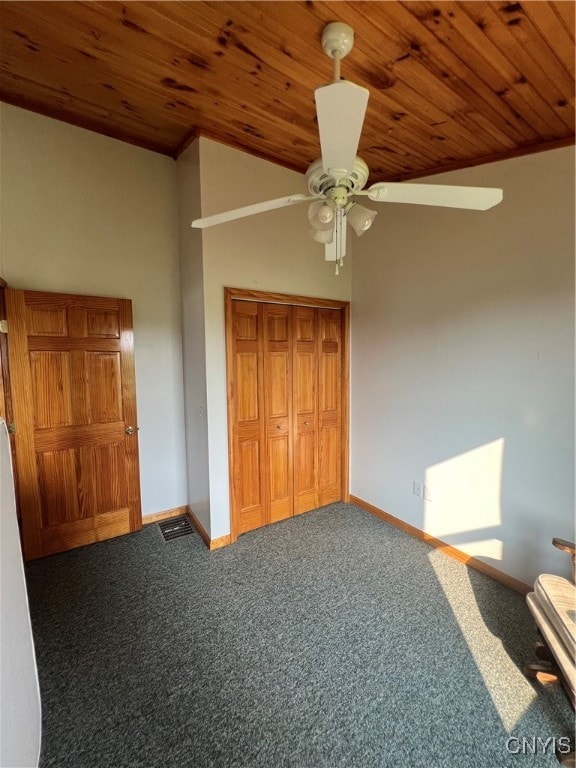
(329,406)
(277,354)
(305,399)
(74,404)
(248,438)
(285,388)
(317,394)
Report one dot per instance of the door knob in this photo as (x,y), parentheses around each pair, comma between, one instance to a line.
(129,430)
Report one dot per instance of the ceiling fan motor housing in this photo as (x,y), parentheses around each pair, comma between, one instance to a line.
(320,183)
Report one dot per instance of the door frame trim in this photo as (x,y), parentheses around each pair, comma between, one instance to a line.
(267,297)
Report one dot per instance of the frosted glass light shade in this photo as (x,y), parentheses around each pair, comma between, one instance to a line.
(322,235)
(321,215)
(360,218)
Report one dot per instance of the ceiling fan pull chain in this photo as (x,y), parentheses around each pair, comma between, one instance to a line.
(340,238)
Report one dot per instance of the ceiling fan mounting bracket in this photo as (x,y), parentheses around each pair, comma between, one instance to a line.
(337,38)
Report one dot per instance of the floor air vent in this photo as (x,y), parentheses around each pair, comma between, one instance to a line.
(175,527)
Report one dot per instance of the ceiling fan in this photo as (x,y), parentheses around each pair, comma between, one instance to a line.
(340,175)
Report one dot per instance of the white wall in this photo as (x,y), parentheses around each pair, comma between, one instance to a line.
(20,709)
(193,334)
(268,252)
(463,365)
(83,213)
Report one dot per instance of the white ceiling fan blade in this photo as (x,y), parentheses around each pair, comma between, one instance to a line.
(475,198)
(250,210)
(340,108)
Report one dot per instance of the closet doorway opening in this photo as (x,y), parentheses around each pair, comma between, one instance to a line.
(287,367)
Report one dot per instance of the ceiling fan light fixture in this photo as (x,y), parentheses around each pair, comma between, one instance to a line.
(321,215)
(322,235)
(339,174)
(360,218)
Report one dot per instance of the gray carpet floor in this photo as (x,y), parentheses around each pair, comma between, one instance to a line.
(329,640)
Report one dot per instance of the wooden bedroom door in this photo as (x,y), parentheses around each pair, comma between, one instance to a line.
(74,407)
(287,410)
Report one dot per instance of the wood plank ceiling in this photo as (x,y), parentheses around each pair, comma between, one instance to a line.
(452,84)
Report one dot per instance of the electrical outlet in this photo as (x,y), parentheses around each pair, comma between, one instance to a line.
(417,488)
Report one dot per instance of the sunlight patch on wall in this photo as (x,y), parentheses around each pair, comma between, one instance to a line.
(462,495)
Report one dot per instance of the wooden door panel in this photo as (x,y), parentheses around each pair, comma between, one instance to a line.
(305,394)
(51,388)
(82,483)
(280,484)
(305,464)
(247,481)
(277,359)
(329,361)
(278,468)
(305,384)
(103,384)
(305,325)
(111,494)
(71,360)
(244,344)
(330,326)
(276,385)
(248,395)
(102,324)
(278,321)
(329,384)
(305,361)
(330,406)
(250,475)
(250,485)
(57,477)
(329,483)
(47,320)
(246,323)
